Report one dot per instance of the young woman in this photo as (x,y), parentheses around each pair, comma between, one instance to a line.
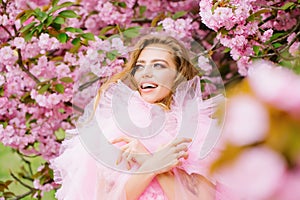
(159,150)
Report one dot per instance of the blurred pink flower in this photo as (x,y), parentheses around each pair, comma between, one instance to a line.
(294,49)
(289,187)
(255,174)
(246,120)
(275,85)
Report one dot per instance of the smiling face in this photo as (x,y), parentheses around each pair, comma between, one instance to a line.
(155,73)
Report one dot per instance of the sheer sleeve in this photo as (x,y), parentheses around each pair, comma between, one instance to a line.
(193,178)
(74,169)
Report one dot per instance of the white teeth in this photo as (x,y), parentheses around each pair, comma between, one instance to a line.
(148,85)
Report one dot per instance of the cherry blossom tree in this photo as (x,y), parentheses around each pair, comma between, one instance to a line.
(47,46)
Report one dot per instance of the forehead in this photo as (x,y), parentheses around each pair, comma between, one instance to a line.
(156,51)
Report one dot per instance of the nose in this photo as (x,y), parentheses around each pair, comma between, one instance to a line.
(148,71)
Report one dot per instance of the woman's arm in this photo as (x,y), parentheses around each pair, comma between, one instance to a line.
(157,165)
(137,184)
(167,183)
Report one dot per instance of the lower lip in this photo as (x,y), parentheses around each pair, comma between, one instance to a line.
(145,91)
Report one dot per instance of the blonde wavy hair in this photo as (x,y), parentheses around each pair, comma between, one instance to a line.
(184,67)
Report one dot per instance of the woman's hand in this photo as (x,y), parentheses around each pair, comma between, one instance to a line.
(133,152)
(167,157)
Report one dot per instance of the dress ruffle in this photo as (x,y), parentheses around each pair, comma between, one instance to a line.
(83,177)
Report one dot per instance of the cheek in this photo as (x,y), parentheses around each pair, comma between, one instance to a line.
(168,80)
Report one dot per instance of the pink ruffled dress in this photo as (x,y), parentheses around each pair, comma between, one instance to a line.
(85,174)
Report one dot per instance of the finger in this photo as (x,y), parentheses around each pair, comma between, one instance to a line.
(121,139)
(182,154)
(181,140)
(119,160)
(123,153)
(181,147)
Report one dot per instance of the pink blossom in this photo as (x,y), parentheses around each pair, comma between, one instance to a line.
(243,65)
(2,80)
(275,85)
(62,70)
(19,42)
(53,99)
(247,120)
(41,100)
(117,44)
(4,20)
(8,56)
(43,41)
(267,35)
(224,17)
(246,176)
(291,37)
(203,63)
(294,49)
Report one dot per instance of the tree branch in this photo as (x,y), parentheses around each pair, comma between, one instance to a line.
(24,195)
(20,62)
(21,182)
(6,30)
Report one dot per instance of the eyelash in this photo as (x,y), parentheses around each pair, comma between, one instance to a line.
(154,65)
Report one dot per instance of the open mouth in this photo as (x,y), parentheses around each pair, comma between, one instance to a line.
(148,86)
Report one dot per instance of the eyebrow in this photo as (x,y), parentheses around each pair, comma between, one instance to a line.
(152,61)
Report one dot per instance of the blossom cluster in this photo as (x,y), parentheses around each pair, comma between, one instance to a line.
(240,28)
(261,121)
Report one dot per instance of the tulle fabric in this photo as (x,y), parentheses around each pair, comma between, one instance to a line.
(82,177)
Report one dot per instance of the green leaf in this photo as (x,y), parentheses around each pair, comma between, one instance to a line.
(277,44)
(40,15)
(178,14)
(68,14)
(142,10)
(38,28)
(256,49)
(226,50)
(62,37)
(44,88)
(49,21)
(63,5)
(28,36)
(66,80)
(112,54)
(60,133)
(88,36)
(132,32)
(27,27)
(1,91)
(59,20)
(76,41)
(122,4)
(54,2)
(27,116)
(59,88)
(106,29)
(26,16)
(56,26)
(73,30)
(287,5)
(276,35)
(257,14)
